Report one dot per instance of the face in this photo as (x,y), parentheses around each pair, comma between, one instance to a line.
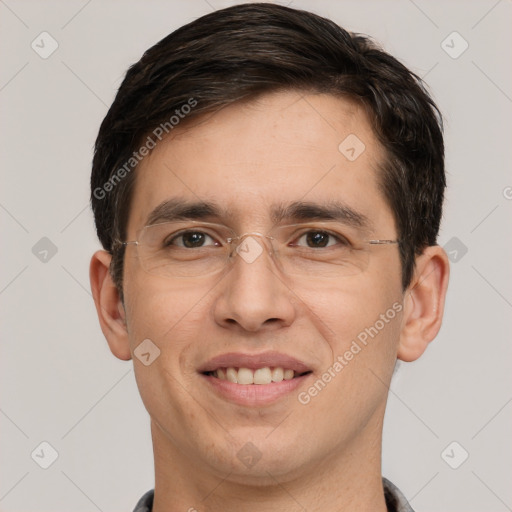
(339,334)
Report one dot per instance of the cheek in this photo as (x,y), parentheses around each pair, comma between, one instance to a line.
(363,327)
(345,310)
(174,318)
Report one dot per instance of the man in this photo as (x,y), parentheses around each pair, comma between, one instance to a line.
(268,190)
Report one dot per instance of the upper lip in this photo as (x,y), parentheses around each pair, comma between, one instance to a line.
(254,361)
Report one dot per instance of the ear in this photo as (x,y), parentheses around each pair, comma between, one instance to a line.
(109,306)
(424,303)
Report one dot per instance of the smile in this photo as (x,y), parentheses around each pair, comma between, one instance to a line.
(259,376)
(254,380)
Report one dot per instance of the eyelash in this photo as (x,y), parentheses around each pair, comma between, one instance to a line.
(339,238)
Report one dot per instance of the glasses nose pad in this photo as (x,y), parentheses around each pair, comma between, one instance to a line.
(250,246)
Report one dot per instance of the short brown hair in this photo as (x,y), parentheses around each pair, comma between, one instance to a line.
(250,49)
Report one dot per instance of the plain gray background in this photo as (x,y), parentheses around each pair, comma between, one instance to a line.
(59,382)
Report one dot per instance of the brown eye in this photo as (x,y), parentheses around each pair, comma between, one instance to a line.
(318,239)
(191,240)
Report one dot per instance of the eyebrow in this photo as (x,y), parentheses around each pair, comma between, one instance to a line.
(298,211)
(180,209)
(332,210)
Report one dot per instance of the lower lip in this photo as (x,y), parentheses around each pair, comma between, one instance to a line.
(254,394)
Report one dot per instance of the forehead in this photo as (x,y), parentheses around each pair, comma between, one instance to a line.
(253,157)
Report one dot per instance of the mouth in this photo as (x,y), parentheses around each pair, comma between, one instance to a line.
(254,379)
(259,376)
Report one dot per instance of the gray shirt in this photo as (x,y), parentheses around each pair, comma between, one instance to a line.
(395,500)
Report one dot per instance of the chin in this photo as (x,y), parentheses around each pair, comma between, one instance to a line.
(257,459)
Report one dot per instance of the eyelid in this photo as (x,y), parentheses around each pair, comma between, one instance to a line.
(222,234)
(303,229)
(200,229)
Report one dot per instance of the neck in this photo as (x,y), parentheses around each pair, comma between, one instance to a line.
(349,481)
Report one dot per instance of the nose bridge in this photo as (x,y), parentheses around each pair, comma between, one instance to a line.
(250,246)
(253,294)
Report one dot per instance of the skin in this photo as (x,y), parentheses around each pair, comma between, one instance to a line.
(325,455)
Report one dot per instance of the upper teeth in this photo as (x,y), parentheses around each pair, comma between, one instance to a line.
(259,376)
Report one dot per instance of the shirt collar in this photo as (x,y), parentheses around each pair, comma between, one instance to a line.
(395,500)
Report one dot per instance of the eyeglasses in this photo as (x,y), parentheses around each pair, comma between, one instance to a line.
(193,249)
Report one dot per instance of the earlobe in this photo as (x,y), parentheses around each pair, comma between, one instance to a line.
(109,307)
(424,303)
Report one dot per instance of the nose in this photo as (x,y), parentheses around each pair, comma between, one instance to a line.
(253,295)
